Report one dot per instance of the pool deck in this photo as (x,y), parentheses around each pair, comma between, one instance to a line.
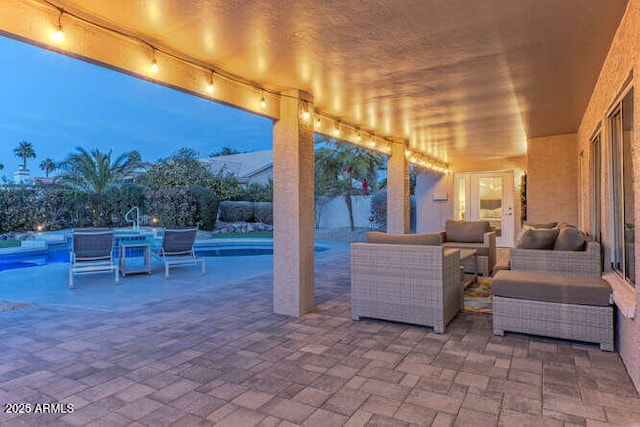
(210,351)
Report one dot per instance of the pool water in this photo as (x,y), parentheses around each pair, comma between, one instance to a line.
(235,249)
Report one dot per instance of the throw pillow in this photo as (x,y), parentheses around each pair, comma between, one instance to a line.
(538,239)
(429,239)
(569,239)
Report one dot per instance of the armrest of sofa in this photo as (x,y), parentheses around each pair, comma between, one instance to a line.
(489,240)
(586,263)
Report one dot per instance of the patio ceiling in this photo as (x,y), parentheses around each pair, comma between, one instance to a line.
(458,78)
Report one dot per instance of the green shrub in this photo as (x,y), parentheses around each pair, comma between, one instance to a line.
(236,211)
(207,206)
(22,210)
(379,208)
(172,207)
(263,212)
(255,192)
(119,199)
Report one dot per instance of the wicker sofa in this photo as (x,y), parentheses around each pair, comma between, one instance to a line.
(472,235)
(411,283)
(555,293)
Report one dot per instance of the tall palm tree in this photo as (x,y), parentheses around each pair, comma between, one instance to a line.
(340,170)
(25,151)
(48,166)
(95,171)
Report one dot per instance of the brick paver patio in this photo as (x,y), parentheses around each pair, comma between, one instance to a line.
(220,356)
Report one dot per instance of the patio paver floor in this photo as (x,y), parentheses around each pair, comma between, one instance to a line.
(221,356)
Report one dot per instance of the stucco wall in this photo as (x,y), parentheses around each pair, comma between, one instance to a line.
(552,191)
(622,59)
(335,214)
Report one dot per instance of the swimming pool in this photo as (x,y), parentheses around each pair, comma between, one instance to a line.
(58,254)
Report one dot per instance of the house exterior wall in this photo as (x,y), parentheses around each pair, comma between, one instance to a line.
(261,177)
(623,58)
(552,190)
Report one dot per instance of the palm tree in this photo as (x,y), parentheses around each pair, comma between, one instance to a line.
(94,170)
(25,151)
(227,151)
(47,166)
(340,170)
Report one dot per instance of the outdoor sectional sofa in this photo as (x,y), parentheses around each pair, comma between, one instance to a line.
(406,278)
(555,293)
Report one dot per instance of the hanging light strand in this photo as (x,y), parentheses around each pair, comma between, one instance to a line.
(360,137)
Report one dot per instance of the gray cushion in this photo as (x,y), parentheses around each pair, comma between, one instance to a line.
(551,287)
(547,225)
(569,239)
(429,239)
(481,250)
(538,239)
(466,231)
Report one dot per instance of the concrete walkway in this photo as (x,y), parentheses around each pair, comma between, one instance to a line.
(218,355)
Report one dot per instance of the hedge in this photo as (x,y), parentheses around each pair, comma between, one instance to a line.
(246,212)
(207,206)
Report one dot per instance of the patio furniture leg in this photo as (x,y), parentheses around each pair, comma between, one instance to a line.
(204,267)
(166,271)
(70,279)
(117,275)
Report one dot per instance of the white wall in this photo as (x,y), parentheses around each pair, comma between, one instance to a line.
(335,213)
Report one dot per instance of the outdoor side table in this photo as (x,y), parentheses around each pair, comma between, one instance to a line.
(135,258)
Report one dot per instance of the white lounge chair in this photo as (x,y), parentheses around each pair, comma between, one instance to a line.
(177,249)
(92,252)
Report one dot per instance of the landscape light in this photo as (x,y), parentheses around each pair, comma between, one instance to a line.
(263,102)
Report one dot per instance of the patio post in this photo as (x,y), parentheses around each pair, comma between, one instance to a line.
(398,190)
(293,267)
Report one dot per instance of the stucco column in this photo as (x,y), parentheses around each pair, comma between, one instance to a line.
(293,290)
(398,190)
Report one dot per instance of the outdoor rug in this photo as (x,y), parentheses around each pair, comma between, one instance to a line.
(477,296)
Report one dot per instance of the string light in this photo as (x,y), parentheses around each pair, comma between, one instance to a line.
(154,63)
(305,112)
(421,160)
(58,35)
(210,88)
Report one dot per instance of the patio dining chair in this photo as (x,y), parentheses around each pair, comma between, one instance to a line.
(177,249)
(92,252)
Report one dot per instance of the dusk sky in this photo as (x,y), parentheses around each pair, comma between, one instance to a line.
(57,103)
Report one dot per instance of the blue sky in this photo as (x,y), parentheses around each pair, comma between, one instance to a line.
(57,103)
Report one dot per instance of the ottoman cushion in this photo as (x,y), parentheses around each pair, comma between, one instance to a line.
(551,287)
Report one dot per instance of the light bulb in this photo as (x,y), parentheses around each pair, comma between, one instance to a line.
(306,115)
(318,123)
(407,153)
(154,66)
(263,102)
(58,35)
(336,131)
(372,144)
(358,137)
(210,87)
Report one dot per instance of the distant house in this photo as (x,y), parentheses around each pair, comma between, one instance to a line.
(138,172)
(255,167)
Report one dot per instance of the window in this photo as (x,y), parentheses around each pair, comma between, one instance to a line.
(596,193)
(623,211)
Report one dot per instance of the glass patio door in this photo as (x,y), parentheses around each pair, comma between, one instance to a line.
(487,196)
